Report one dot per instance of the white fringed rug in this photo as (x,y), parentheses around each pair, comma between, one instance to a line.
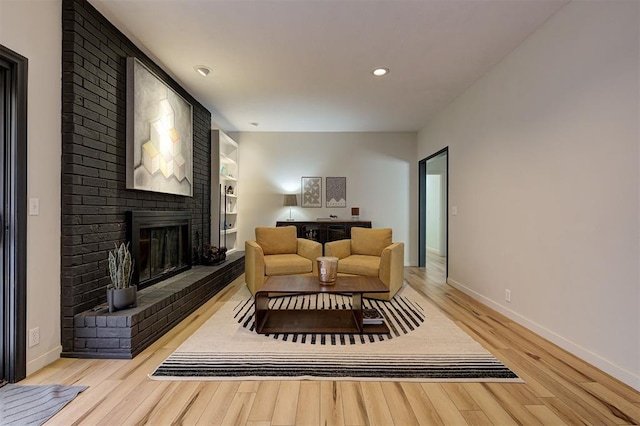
(424,345)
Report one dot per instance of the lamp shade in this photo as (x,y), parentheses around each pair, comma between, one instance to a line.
(290,200)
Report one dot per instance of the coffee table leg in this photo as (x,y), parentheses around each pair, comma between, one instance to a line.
(356,300)
(262,308)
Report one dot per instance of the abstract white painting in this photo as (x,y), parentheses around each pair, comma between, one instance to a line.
(159,134)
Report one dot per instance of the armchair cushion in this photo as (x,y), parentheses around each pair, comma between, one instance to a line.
(370,242)
(278,240)
(287,264)
(357,264)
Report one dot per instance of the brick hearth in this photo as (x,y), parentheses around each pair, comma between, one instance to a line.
(124,334)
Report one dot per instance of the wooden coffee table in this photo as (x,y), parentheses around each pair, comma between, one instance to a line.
(341,321)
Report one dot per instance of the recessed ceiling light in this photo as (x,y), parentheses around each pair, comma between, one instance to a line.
(202,70)
(379,72)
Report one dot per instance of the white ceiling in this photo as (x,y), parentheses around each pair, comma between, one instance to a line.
(305,65)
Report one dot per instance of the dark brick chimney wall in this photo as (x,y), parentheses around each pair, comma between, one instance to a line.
(94,194)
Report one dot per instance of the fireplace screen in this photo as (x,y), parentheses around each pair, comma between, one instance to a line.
(159,245)
(161,251)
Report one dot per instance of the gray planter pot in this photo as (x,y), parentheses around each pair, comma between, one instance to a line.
(121,298)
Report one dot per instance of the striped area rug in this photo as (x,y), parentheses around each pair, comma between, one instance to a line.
(423,345)
(402,315)
(23,405)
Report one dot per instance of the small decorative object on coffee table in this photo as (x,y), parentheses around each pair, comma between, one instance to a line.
(327,270)
(372,316)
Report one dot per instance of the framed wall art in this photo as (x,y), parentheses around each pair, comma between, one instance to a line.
(311,192)
(336,192)
(159,134)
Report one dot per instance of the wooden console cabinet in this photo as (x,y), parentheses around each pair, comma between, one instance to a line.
(324,231)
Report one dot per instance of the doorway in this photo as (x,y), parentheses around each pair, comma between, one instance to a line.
(13,219)
(433,241)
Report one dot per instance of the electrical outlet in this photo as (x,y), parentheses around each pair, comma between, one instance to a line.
(507,295)
(34,336)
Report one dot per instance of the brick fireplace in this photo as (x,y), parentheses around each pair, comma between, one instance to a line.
(95,200)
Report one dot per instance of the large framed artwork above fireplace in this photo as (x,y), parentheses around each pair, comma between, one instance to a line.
(160,244)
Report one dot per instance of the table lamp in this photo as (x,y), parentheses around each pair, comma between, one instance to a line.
(290,200)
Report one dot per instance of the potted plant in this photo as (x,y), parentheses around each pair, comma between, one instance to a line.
(120,293)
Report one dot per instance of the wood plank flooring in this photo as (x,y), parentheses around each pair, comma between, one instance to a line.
(560,389)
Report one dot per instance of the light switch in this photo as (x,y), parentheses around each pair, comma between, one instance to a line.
(34,206)
(454,210)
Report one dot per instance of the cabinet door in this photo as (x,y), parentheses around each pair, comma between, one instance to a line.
(336,232)
(312,232)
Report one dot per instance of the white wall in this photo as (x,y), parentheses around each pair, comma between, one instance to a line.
(434,217)
(381,172)
(437,230)
(33,29)
(543,155)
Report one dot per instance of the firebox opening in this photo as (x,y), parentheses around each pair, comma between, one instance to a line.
(160,244)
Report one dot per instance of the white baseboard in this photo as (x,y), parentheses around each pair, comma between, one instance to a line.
(43,360)
(592,358)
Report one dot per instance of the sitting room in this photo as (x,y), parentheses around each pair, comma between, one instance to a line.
(469,170)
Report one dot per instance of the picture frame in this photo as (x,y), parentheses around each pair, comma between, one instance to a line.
(311,192)
(159,143)
(336,192)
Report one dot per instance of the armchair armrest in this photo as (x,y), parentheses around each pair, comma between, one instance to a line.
(339,249)
(392,267)
(253,266)
(311,250)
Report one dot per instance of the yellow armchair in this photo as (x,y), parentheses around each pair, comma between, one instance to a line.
(370,252)
(278,251)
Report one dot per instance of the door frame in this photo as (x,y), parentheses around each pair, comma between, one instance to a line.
(422,210)
(13,295)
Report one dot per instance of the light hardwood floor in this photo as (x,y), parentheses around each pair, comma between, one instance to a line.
(560,389)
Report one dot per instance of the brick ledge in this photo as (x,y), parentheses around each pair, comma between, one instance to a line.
(124,334)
